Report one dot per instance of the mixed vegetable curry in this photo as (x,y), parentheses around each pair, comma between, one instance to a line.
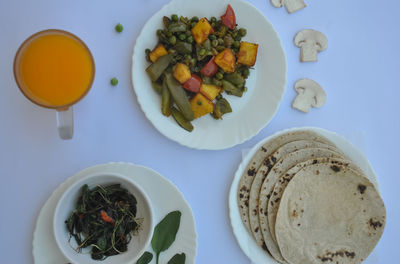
(195,61)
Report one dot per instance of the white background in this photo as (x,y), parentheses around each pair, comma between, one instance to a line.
(359,72)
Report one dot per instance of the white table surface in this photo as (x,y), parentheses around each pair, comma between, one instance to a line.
(359,72)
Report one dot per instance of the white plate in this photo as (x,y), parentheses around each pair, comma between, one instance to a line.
(251,112)
(164,198)
(244,238)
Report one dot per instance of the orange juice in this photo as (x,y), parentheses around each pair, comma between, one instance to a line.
(54,68)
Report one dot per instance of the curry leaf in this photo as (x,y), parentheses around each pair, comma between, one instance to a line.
(145,258)
(178,259)
(165,232)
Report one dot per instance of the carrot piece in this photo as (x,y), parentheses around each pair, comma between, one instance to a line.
(106,217)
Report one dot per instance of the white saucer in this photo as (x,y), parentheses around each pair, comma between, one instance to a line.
(164,197)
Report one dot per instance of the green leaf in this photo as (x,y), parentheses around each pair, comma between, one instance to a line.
(165,232)
(178,259)
(145,258)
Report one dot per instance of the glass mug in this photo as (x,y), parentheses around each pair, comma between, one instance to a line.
(55,69)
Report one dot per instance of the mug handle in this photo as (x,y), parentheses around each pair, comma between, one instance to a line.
(65,123)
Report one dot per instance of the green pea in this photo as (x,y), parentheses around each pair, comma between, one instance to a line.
(216,82)
(114,81)
(242,32)
(246,72)
(189,39)
(212,37)
(202,52)
(220,41)
(172,40)
(195,19)
(214,19)
(219,76)
(234,34)
(236,44)
(174,17)
(119,28)
(182,36)
(169,34)
(147,51)
(159,32)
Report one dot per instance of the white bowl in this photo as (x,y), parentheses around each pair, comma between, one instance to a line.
(67,204)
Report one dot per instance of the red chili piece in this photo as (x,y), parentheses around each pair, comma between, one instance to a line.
(193,84)
(229,18)
(210,69)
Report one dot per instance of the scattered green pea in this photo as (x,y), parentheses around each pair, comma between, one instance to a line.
(175,17)
(246,72)
(214,43)
(212,37)
(172,40)
(236,44)
(219,76)
(195,19)
(169,34)
(114,81)
(159,32)
(147,51)
(202,52)
(119,28)
(213,19)
(189,39)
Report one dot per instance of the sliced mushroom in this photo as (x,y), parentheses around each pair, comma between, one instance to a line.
(309,93)
(310,42)
(291,5)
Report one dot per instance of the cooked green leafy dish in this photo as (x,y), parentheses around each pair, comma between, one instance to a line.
(195,61)
(104,220)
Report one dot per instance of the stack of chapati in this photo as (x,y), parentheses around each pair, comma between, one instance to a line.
(304,201)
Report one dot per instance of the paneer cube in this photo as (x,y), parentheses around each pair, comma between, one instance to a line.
(158,52)
(182,72)
(201,30)
(210,91)
(201,105)
(247,54)
(226,60)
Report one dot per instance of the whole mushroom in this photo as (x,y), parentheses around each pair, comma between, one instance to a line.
(309,93)
(310,43)
(291,5)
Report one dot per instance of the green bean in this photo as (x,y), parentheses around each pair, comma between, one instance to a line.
(177,27)
(157,68)
(235,78)
(181,120)
(230,88)
(166,100)
(221,107)
(183,47)
(157,87)
(179,96)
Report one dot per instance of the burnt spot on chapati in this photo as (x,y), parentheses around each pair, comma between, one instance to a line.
(317,172)
(264,246)
(361,188)
(263,149)
(254,212)
(251,172)
(256,230)
(315,161)
(335,168)
(273,159)
(331,256)
(374,224)
(241,195)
